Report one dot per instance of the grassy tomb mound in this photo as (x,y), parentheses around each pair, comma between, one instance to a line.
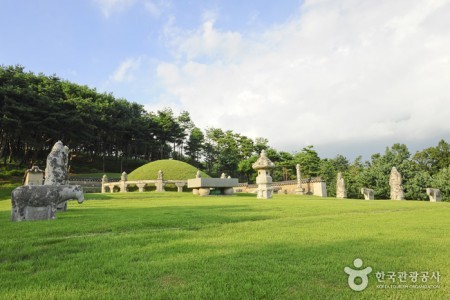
(172,169)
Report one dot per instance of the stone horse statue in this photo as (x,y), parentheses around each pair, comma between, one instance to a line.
(39,202)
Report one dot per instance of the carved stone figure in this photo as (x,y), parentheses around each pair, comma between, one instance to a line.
(340,187)
(395,182)
(39,202)
(56,168)
(160,184)
(57,161)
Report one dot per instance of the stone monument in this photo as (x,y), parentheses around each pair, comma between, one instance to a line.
(340,187)
(34,176)
(264,181)
(434,195)
(299,190)
(395,182)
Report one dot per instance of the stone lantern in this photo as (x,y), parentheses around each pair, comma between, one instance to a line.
(264,181)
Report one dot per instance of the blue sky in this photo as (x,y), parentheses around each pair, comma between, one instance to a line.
(347,76)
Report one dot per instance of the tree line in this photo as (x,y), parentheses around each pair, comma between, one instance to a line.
(37,110)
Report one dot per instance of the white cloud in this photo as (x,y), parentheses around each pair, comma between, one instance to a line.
(111,6)
(125,71)
(154,7)
(337,72)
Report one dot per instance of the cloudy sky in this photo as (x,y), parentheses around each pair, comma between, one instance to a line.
(347,76)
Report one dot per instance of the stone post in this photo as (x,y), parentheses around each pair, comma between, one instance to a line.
(104,182)
(123,182)
(264,166)
(299,189)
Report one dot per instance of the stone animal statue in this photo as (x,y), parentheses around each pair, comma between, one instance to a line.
(434,195)
(369,194)
(45,197)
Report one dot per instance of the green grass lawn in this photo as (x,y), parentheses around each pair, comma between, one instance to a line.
(178,246)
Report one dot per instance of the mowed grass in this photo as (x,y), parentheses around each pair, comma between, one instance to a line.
(178,246)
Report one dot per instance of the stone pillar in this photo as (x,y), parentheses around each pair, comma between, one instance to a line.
(340,187)
(123,182)
(264,166)
(180,185)
(160,182)
(195,192)
(299,189)
(434,195)
(104,182)
(34,176)
(111,187)
(141,186)
(369,194)
(395,182)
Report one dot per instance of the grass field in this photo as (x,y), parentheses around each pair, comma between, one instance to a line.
(177,246)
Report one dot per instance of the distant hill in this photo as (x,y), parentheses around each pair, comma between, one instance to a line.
(172,169)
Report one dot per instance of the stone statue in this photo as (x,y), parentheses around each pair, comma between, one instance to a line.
(124,176)
(223,176)
(39,202)
(369,194)
(395,182)
(340,187)
(434,195)
(56,169)
(198,175)
(57,161)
